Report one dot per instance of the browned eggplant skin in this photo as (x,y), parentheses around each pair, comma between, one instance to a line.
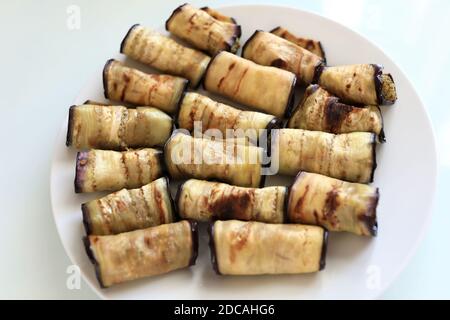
(232,44)
(290,97)
(326,113)
(213,249)
(234,203)
(321,51)
(366,217)
(87,246)
(282,62)
(105,76)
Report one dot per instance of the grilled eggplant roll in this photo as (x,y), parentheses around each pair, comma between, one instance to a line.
(333,204)
(347,156)
(116,127)
(162,53)
(263,88)
(321,111)
(216,115)
(234,163)
(253,248)
(142,253)
(359,83)
(218,16)
(268,49)
(130,85)
(102,170)
(308,44)
(128,210)
(203,200)
(203,30)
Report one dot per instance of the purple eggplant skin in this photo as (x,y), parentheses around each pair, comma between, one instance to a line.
(374,156)
(194,234)
(124,41)
(90,254)
(87,223)
(244,47)
(80,170)
(105,77)
(378,72)
(174,12)
(285,203)
(70,126)
(371,220)
(172,202)
(212,248)
(323,254)
(177,198)
(290,103)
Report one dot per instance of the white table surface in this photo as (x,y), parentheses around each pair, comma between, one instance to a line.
(44,64)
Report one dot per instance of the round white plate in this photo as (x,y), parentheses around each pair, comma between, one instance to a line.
(357,267)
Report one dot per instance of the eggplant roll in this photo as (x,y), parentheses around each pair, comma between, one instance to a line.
(105,170)
(204,31)
(116,127)
(263,88)
(204,200)
(128,210)
(333,204)
(308,44)
(234,163)
(253,248)
(122,83)
(218,16)
(142,253)
(321,111)
(360,83)
(216,115)
(347,156)
(163,53)
(267,49)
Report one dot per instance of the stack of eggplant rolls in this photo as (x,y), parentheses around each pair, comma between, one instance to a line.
(131,146)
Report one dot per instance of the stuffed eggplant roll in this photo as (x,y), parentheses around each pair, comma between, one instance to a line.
(188,157)
(253,248)
(204,200)
(333,204)
(163,53)
(321,111)
(142,253)
(128,210)
(215,115)
(204,31)
(130,85)
(360,83)
(218,16)
(347,156)
(102,170)
(267,49)
(116,127)
(263,88)
(308,44)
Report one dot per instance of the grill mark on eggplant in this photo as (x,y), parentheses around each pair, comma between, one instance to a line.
(298,211)
(236,90)
(138,167)
(335,114)
(159,203)
(106,221)
(226,75)
(331,204)
(239,241)
(232,206)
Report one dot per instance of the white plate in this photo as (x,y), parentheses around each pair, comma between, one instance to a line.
(357,267)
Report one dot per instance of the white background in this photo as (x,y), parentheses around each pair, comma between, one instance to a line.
(44,64)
